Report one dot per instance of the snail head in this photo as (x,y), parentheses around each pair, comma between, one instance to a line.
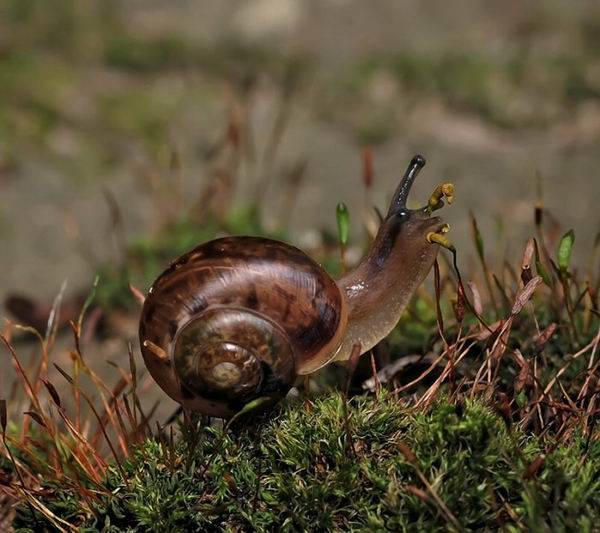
(409,235)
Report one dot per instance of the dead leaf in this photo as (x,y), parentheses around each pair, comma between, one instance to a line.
(525,294)
(476,297)
(525,376)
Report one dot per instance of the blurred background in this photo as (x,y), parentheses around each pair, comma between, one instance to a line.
(116,115)
(133,130)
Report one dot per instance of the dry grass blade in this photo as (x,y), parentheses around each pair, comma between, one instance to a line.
(525,377)
(423,375)
(117,225)
(421,494)
(55,520)
(438,296)
(132,368)
(479,246)
(3,423)
(101,387)
(99,420)
(560,372)
(53,319)
(412,459)
(431,392)
(41,369)
(122,424)
(374,373)
(3,415)
(462,294)
(145,419)
(106,414)
(23,376)
(86,305)
(82,455)
(136,435)
(591,374)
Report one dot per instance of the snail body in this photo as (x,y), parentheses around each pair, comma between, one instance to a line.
(240,318)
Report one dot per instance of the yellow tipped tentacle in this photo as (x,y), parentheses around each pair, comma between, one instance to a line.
(443,190)
(440,238)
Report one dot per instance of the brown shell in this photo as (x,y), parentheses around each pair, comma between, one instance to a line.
(234,356)
(268,277)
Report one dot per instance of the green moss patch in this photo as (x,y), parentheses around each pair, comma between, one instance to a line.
(332,464)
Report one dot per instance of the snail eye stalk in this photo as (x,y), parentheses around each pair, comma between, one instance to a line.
(436,200)
(401,195)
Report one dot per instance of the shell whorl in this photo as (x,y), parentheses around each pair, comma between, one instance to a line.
(233,354)
(263,283)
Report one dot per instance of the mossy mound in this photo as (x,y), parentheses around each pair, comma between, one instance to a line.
(363,464)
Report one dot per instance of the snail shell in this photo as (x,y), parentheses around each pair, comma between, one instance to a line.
(239,318)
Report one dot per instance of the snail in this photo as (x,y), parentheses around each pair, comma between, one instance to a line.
(240,318)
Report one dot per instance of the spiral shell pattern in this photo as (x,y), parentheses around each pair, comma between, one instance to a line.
(233,354)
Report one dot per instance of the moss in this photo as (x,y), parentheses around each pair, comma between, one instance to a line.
(310,468)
